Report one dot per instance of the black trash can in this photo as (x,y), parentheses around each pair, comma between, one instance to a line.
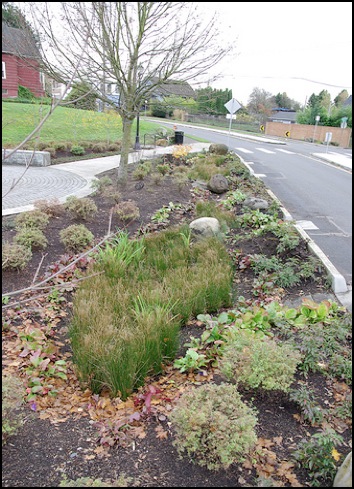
(179,137)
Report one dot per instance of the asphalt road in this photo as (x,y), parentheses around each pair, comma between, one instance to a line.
(315,193)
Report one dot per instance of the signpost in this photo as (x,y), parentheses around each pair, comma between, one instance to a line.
(328,139)
(232,106)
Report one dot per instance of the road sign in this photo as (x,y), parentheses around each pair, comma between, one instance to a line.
(328,137)
(229,116)
(262,128)
(287,134)
(343,123)
(232,106)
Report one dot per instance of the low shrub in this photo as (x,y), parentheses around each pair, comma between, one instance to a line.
(100,183)
(32,219)
(52,151)
(214,426)
(127,210)
(31,238)
(15,256)
(84,208)
(317,455)
(259,362)
(12,397)
(52,207)
(76,238)
(114,147)
(77,150)
(99,147)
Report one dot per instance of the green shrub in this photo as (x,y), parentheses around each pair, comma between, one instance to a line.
(25,93)
(316,455)
(259,362)
(163,169)
(84,208)
(31,238)
(12,397)
(15,256)
(214,426)
(75,238)
(32,219)
(100,183)
(77,150)
(127,210)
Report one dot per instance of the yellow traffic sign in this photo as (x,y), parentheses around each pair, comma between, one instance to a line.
(287,134)
(262,128)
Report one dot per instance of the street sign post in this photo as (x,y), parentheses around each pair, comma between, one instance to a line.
(232,106)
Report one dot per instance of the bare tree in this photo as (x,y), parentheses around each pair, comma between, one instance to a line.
(260,104)
(137,45)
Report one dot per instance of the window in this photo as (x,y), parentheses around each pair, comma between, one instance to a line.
(3,70)
(4,91)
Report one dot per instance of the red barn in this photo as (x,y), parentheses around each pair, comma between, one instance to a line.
(20,62)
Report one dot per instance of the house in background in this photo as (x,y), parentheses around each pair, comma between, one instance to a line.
(168,88)
(286,116)
(20,63)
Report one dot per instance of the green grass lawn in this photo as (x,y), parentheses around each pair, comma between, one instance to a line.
(19,120)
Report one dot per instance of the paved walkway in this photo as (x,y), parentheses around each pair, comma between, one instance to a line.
(62,180)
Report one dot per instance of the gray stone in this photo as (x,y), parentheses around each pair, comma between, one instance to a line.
(24,157)
(344,474)
(205,226)
(218,184)
(256,203)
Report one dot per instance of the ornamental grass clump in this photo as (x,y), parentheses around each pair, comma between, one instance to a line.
(127,317)
(259,362)
(213,426)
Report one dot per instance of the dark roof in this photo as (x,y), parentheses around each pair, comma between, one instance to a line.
(175,87)
(19,42)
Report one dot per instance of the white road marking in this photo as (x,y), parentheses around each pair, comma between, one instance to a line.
(244,150)
(286,151)
(306,224)
(266,151)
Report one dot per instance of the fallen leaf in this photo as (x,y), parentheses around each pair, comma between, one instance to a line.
(161,434)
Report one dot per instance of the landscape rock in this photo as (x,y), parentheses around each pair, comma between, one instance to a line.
(205,226)
(218,184)
(256,203)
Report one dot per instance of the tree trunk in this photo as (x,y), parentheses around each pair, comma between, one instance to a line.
(126,145)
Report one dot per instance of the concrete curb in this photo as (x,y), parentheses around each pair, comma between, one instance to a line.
(339,284)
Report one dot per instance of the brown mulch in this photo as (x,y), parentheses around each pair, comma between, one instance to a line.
(57,441)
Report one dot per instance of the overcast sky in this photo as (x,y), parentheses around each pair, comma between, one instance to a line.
(282,46)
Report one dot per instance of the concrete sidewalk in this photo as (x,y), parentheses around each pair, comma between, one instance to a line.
(65,179)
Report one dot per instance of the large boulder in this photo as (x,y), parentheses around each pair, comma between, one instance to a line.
(205,227)
(218,184)
(218,149)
